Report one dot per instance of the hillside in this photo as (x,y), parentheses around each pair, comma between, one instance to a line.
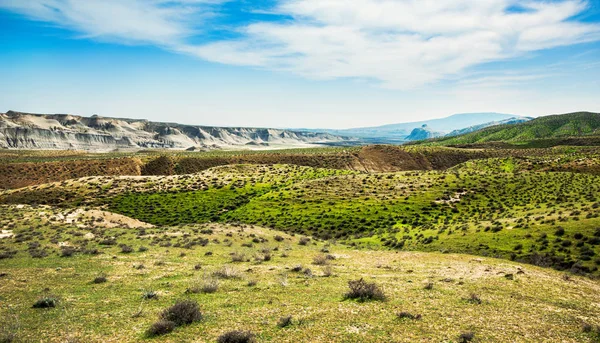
(110,284)
(63,131)
(563,126)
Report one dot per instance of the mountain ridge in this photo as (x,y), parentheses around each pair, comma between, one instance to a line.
(19,130)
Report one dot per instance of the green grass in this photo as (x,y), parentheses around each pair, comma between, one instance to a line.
(537,304)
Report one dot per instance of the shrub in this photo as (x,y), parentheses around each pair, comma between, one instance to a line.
(297,268)
(304,241)
(278,238)
(364,291)
(428,285)
(45,302)
(150,295)
(142,249)
(284,321)
(466,337)
(100,279)
(182,313)
(126,249)
(161,327)
(236,337)
(66,251)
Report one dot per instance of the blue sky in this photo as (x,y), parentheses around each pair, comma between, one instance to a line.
(299,63)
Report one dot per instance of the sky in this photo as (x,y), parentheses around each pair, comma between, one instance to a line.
(299,63)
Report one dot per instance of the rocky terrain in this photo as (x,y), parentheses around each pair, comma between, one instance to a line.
(63,131)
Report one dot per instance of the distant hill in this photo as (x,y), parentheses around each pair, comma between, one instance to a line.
(516,120)
(64,131)
(579,124)
(423,132)
(400,133)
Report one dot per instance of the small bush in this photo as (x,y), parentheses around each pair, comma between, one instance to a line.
(142,249)
(100,279)
(236,337)
(428,285)
(304,241)
(278,238)
(45,302)
(182,313)
(150,295)
(284,321)
(364,291)
(126,249)
(161,327)
(466,337)
(67,251)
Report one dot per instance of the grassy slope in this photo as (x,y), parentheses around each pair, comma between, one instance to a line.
(538,305)
(506,211)
(556,126)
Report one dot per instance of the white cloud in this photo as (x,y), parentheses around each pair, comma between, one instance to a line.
(160,22)
(400,44)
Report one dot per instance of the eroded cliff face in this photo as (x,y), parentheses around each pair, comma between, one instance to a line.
(61,131)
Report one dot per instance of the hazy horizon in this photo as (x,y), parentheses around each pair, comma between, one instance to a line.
(299,63)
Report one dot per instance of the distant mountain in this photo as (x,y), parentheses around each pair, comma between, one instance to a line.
(579,124)
(399,133)
(516,120)
(423,132)
(63,131)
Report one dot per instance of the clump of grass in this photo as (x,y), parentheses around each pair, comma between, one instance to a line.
(252,283)
(100,279)
(327,271)
(161,327)
(182,312)
(466,337)
(126,249)
(46,302)
(364,291)
(297,268)
(150,295)
(238,257)
(284,321)
(226,273)
(236,336)
(208,284)
(304,241)
(67,251)
(9,329)
(474,299)
(408,315)
(428,285)
(320,260)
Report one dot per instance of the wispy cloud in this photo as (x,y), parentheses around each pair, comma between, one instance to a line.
(398,43)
